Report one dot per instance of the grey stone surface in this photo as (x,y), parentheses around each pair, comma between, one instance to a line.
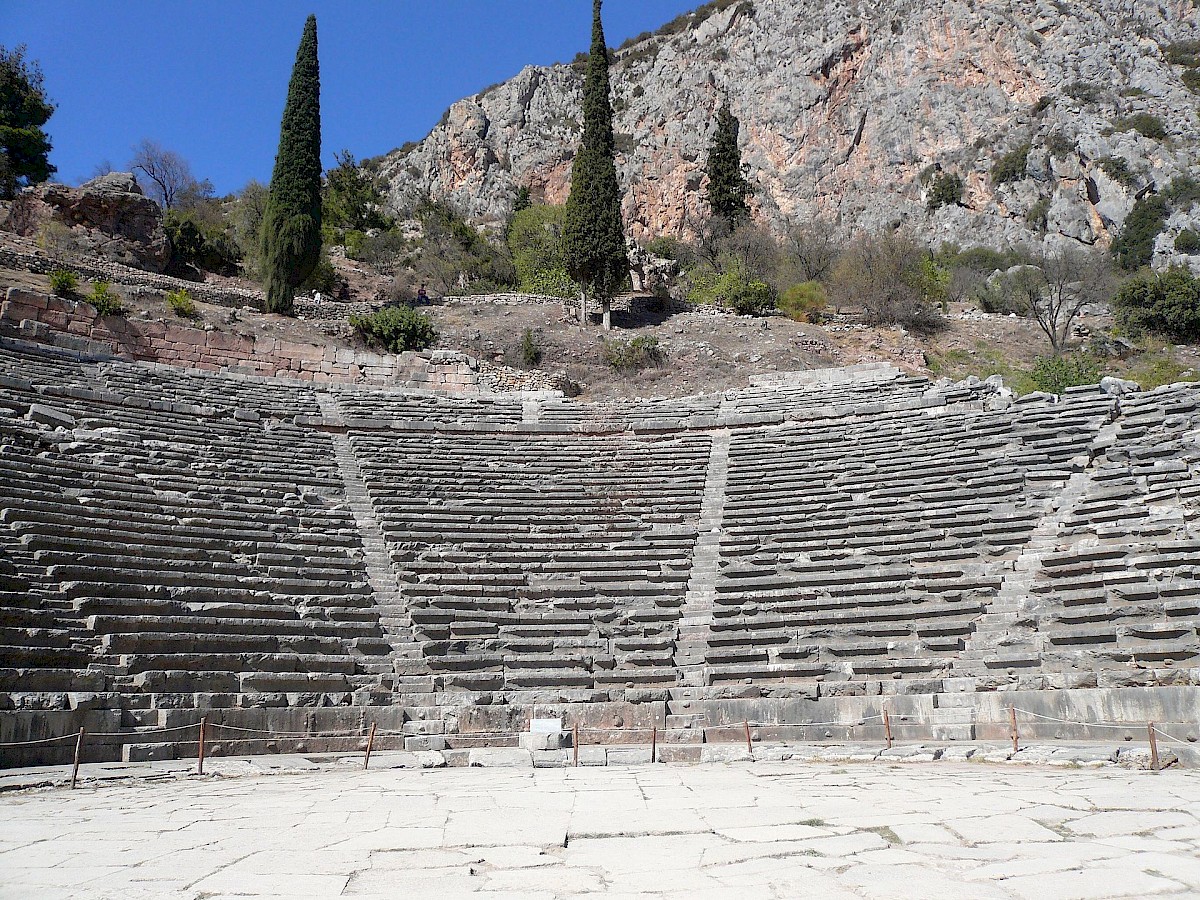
(783,830)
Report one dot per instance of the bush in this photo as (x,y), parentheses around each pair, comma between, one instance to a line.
(1191,80)
(323,278)
(1134,246)
(182,305)
(755,299)
(551,283)
(634,355)
(804,302)
(893,278)
(1058,144)
(1164,303)
(396,329)
(529,351)
(105,299)
(1084,91)
(1145,124)
(946,190)
(731,289)
(1118,170)
(1038,215)
(1011,166)
(1057,373)
(63,283)
(1188,241)
(1183,53)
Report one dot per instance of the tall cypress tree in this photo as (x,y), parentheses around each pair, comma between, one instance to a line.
(593,234)
(291,226)
(727,186)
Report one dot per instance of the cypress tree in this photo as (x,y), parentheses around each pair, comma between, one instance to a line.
(727,186)
(291,227)
(593,234)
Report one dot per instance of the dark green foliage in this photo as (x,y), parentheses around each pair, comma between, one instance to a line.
(1038,215)
(593,233)
(24,109)
(1084,91)
(1116,168)
(291,227)
(1058,144)
(1183,53)
(946,190)
(1146,124)
(524,200)
(323,278)
(1011,166)
(456,257)
(529,351)
(1188,241)
(106,301)
(1057,373)
(1191,80)
(1164,303)
(352,200)
(535,240)
(1134,246)
(396,329)
(1183,192)
(379,250)
(634,355)
(727,186)
(63,283)
(197,240)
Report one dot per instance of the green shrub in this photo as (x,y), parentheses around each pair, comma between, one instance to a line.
(1183,53)
(1134,246)
(529,351)
(1145,124)
(551,283)
(1183,192)
(732,290)
(1188,241)
(1011,166)
(634,355)
(1057,373)
(804,302)
(105,299)
(396,329)
(755,299)
(1118,170)
(1164,303)
(1084,91)
(945,190)
(182,305)
(323,278)
(1191,80)
(63,283)
(1038,215)
(1058,144)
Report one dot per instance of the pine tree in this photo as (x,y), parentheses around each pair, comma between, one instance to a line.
(727,186)
(291,227)
(593,234)
(24,109)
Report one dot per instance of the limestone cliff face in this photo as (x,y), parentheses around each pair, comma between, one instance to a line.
(844,108)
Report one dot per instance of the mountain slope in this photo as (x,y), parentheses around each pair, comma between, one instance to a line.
(847,111)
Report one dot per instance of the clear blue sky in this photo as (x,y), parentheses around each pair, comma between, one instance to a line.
(207,78)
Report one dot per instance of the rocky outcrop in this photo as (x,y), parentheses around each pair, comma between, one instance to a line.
(108,217)
(848,110)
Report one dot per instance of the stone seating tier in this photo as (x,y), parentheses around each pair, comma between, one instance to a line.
(175,542)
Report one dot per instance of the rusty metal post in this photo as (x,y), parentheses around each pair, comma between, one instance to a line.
(200,760)
(654,744)
(78,755)
(887,727)
(575,742)
(1012,724)
(1153,748)
(749,746)
(370,745)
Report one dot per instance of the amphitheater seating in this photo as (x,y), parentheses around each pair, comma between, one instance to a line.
(536,562)
(180,540)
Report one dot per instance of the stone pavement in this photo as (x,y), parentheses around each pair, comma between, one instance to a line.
(787,829)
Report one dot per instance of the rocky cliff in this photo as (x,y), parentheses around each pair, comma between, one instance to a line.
(849,110)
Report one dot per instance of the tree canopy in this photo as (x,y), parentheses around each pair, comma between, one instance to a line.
(291,227)
(593,233)
(728,188)
(24,109)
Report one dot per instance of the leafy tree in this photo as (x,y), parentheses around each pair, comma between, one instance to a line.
(1134,246)
(24,109)
(524,200)
(1165,303)
(1055,287)
(593,234)
(454,256)
(352,199)
(946,190)
(727,186)
(291,227)
(535,240)
(889,274)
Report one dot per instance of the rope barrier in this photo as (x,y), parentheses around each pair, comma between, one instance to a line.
(65,737)
(1172,738)
(1116,726)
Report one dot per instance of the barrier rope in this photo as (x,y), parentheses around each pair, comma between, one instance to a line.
(1114,725)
